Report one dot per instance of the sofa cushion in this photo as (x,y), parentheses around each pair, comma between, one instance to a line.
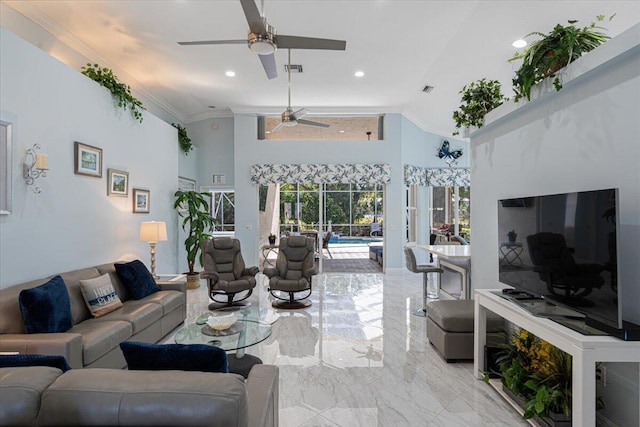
(137,278)
(183,357)
(20,392)
(121,289)
(100,295)
(79,309)
(169,300)
(101,336)
(46,308)
(139,315)
(21,360)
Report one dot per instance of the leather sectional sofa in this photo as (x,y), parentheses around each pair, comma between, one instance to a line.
(45,396)
(94,342)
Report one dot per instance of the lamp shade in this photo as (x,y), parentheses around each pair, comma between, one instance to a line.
(153,231)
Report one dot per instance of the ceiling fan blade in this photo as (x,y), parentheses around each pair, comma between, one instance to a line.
(311,123)
(299,114)
(277,128)
(256,24)
(295,42)
(269,65)
(203,42)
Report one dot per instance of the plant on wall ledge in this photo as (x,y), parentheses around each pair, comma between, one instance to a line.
(478,98)
(120,91)
(543,58)
(183,138)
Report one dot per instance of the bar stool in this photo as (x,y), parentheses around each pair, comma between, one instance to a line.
(427,291)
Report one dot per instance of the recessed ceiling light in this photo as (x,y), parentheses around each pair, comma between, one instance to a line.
(341,131)
(519,43)
(230,73)
(359,73)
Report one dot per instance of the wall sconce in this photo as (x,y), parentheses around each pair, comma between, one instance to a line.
(152,232)
(35,166)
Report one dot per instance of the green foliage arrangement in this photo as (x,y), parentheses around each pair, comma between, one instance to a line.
(478,98)
(194,208)
(183,138)
(539,373)
(543,58)
(121,92)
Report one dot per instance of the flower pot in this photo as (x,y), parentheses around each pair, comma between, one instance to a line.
(272,240)
(553,420)
(193,280)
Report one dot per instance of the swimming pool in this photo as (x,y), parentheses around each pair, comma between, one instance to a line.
(354,240)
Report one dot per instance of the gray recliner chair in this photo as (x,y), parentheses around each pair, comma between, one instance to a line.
(226,274)
(295,267)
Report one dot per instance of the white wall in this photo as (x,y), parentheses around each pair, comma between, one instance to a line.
(584,137)
(214,139)
(72,223)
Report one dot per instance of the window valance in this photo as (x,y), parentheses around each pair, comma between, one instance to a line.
(437,177)
(321,173)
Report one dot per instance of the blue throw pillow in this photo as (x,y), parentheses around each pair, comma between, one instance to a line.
(21,360)
(137,279)
(142,356)
(46,308)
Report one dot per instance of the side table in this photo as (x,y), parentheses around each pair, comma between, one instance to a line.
(511,252)
(266,251)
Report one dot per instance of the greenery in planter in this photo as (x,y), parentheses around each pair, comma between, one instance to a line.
(183,138)
(121,92)
(194,208)
(539,373)
(478,98)
(544,57)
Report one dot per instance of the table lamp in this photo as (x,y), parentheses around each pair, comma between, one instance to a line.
(152,232)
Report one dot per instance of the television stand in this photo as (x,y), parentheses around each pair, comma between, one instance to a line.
(586,350)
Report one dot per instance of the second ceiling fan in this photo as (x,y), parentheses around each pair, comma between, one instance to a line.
(264,41)
(292,118)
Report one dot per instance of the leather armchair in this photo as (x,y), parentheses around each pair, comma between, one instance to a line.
(226,274)
(295,267)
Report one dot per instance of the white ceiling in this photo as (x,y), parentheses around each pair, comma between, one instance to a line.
(400,45)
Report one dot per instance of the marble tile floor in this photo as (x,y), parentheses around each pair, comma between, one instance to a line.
(357,357)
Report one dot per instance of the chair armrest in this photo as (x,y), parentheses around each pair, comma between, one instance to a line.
(211,276)
(263,393)
(65,344)
(310,272)
(177,285)
(251,271)
(271,272)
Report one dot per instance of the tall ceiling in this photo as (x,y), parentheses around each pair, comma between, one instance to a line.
(400,45)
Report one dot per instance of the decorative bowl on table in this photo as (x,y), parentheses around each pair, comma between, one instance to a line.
(221,323)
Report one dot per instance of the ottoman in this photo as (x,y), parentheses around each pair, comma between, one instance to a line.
(450,328)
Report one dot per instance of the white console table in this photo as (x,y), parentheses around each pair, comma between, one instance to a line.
(586,350)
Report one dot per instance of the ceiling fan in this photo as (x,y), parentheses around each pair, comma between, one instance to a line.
(264,41)
(292,118)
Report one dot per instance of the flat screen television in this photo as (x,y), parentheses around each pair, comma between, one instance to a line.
(565,251)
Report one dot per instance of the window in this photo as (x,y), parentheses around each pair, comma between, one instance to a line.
(223,210)
(359,128)
(450,211)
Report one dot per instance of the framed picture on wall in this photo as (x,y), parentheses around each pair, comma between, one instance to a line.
(5,168)
(118,183)
(141,200)
(186,184)
(87,160)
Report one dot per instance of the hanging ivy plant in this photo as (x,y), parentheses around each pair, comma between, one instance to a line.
(183,138)
(121,92)
(478,98)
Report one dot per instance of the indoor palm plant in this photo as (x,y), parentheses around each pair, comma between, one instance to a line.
(194,208)
(543,58)
(478,98)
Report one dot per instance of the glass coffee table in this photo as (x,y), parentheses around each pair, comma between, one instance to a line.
(247,331)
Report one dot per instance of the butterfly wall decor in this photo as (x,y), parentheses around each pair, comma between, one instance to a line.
(451,157)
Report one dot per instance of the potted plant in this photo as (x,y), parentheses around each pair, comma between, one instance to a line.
(543,58)
(478,98)
(272,239)
(194,208)
(512,236)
